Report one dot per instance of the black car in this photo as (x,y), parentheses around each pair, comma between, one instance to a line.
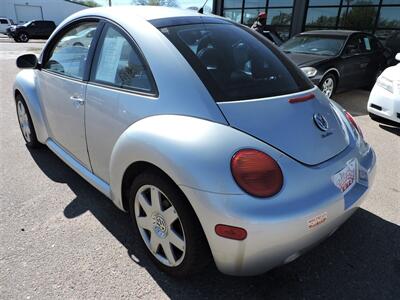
(338,59)
(36,29)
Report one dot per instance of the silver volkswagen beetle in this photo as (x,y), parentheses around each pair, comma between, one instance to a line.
(215,143)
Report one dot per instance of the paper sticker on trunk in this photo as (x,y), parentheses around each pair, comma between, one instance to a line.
(346,178)
(317,220)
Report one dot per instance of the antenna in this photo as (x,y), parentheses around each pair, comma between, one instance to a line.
(201,9)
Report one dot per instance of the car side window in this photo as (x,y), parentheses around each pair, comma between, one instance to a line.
(118,63)
(353,46)
(366,44)
(68,56)
(2,21)
(375,46)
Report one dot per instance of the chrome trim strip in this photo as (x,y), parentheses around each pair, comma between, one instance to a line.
(98,183)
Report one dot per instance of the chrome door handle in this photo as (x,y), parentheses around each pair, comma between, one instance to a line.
(77,100)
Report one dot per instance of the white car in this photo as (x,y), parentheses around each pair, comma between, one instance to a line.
(384,100)
(4,24)
(81,39)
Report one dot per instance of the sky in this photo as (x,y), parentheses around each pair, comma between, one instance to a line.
(181,3)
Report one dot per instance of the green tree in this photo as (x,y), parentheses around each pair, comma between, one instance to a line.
(171,3)
(282,19)
(360,18)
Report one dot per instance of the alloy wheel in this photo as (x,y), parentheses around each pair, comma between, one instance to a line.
(24,121)
(160,226)
(327,86)
(23,37)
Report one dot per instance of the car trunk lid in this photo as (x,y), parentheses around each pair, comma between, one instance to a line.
(288,124)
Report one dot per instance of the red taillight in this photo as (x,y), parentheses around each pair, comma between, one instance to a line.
(350,118)
(302,98)
(256,173)
(231,232)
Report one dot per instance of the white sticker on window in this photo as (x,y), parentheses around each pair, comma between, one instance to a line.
(367,44)
(109,58)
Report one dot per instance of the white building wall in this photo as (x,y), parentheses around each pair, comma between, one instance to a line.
(22,11)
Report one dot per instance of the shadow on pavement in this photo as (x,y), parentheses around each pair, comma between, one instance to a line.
(361,260)
(354,101)
(392,129)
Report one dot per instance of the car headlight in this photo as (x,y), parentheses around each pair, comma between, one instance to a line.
(12,29)
(309,71)
(385,83)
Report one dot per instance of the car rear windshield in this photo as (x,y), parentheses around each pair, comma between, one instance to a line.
(235,63)
(315,44)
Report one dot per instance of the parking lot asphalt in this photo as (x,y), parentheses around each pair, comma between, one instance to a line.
(61,238)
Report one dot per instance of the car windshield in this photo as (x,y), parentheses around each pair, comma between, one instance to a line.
(27,23)
(234,63)
(315,44)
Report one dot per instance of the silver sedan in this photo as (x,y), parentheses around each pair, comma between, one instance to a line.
(214,142)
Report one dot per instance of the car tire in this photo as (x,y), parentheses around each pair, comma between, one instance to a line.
(25,123)
(23,37)
(16,40)
(180,257)
(328,84)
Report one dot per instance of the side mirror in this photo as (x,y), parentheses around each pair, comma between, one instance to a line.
(398,56)
(27,61)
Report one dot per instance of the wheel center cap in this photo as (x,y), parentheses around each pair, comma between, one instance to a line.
(160,226)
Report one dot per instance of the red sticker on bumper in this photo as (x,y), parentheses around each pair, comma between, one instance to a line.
(317,220)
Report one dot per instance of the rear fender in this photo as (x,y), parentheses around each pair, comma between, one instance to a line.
(193,152)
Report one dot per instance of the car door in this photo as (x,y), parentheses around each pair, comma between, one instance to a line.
(34,29)
(62,89)
(354,63)
(378,61)
(121,91)
(47,29)
(41,29)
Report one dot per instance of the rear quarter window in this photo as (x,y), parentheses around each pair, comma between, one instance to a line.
(234,63)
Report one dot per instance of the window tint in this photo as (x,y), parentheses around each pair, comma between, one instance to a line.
(68,57)
(2,21)
(119,64)
(355,45)
(234,63)
(361,44)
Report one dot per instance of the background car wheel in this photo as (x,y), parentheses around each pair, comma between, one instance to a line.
(167,224)
(328,85)
(23,37)
(25,123)
(16,40)
(78,44)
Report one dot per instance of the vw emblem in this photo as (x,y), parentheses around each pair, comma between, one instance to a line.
(321,122)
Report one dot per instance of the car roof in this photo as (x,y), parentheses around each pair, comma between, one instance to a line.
(145,12)
(331,32)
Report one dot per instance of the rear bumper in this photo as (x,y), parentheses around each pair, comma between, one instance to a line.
(384,104)
(280,234)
